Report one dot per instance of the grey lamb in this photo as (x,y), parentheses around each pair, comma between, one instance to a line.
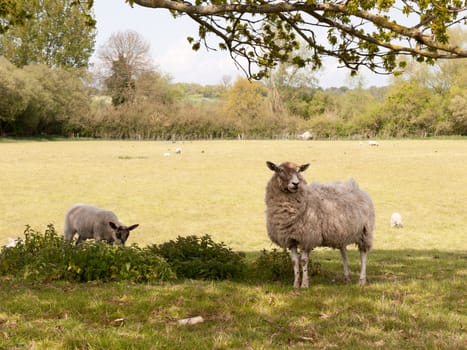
(99,224)
(308,216)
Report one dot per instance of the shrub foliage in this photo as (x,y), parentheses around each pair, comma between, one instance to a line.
(274,265)
(201,258)
(46,257)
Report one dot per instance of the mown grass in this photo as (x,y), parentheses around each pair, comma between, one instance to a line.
(416,294)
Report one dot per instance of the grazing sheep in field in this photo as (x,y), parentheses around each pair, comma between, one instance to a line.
(178,150)
(373,143)
(396,220)
(308,216)
(305,136)
(94,223)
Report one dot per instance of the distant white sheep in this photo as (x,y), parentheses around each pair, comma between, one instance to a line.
(305,136)
(94,223)
(396,220)
(178,150)
(373,143)
(11,242)
(166,154)
(330,215)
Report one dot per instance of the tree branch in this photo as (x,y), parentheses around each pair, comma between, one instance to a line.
(375,42)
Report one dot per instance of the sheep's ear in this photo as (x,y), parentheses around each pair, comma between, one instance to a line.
(304,167)
(113,225)
(132,227)
(272,166)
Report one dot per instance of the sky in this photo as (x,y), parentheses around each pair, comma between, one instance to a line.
(172,53)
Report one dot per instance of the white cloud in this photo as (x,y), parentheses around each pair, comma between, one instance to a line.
(186,65)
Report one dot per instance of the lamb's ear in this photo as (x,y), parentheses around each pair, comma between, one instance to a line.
(132,227)
(272,166)
(304,167)
(113,225)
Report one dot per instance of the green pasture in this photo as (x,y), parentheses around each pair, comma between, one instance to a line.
(217,187)
(415,299)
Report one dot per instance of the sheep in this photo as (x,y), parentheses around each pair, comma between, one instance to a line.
(178,150)
(308,216)
(396,220)
(90,222)
(305,136)
(11,242)
(373,143)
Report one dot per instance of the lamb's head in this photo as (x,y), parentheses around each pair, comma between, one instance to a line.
(288,175)
(122,232)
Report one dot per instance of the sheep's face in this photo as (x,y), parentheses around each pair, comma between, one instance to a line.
(122,232)
(288,175)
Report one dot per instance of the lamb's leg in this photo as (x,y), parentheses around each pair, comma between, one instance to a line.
(362,267)
(305,260)
(79,240)
(296,266)
(346,264)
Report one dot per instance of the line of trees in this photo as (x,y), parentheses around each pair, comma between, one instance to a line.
(46,88)
(39,100)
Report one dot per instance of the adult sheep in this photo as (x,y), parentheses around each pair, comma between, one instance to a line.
(308,216)
(96,223)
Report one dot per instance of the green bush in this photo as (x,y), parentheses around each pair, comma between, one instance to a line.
(100,261)
(274,265)
(47,257)
(201,258)
(36,256)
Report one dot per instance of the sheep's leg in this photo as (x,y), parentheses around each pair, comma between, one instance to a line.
(362,267)
(296,266)
(305,260)
(346,264)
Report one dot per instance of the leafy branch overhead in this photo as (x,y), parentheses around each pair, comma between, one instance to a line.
(371,33)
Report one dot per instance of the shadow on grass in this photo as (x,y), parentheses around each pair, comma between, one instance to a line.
(414,300)
(383,266)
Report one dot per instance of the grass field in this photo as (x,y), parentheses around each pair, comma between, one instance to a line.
(416,298)
(217,187)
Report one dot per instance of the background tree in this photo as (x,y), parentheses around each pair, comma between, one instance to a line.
(120,84)
(39,100)
(246,103)
(14,95)
(292,87)
(124,58)
(261,33)
(11,15)
(50,32)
